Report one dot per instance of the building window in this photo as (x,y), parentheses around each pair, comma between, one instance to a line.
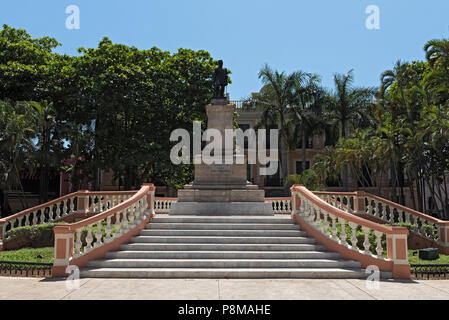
(244,127)
(309,142)
(299,166)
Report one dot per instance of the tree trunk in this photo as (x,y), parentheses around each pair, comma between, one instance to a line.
(344,173)
(304,156)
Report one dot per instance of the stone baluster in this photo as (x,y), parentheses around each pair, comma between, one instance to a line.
(35,218)
(108,237)
(98,235)
(391,220)
(132,211)
(50,214)
(125,220)
(65,208)
(78,244)
(317,222)
(368,206)
(334,227)
(27,219)
(379,248)
(58,211)
(118,229)
(343,231)
(353,227)
(89,239)
(325,227)
(407,217)
(366,243)
(72,205)
(90,204)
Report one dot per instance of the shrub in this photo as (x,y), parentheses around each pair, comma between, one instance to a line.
(360,235)
(429,230)
(38,236)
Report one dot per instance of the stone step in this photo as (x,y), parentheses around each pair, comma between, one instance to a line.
(229,219)
(221,255)
(223,273)
(222,263)
(220,247)
(221,240)
(223,226)
(224,233)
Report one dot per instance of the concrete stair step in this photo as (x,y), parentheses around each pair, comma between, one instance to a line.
(227,219)
(222,263)
(226,273)
(221,240)
(221,247)
(223,226)
(221,255)
(224,233)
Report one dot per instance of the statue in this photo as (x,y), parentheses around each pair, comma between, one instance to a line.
(220,80)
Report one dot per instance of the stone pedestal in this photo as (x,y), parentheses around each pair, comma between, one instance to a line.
(221,189)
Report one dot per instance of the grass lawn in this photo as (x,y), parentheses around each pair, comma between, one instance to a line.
(414,259)
(28,255)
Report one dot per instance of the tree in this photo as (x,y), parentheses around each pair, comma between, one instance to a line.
(135,98)
(308,101)
(348,106)
(276,97)
(16,147)
(24,64)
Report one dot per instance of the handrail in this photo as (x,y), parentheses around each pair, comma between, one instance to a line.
(79,242)
(348,217)
(391,212)
(143,191)
(338,229)
(82,201)
(403,208)
(39,207)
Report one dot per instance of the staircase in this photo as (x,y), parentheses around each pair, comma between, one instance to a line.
(222,247)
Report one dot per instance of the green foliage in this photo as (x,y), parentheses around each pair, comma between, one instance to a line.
(427,229)
(44,255)
(37,236)
(309,178)
(413,258)
(112,107)
(360,235)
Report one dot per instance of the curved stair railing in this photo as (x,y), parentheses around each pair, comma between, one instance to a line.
(80,203)
(337,230)
(363,203)
(92,238)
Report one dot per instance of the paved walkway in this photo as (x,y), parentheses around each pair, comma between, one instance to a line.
(199,289)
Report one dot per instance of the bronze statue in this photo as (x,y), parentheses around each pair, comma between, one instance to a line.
(220,80)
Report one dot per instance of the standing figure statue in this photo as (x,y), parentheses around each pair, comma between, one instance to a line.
(220,80)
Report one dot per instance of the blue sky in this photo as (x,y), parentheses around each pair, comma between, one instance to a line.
(321,36)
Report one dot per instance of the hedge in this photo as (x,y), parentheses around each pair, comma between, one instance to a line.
(37,236)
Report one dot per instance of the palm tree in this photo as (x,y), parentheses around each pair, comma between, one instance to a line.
(276,97)
(437,52)
(348,106)
(308,109)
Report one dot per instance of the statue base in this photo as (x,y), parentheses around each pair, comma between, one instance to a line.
(221,209)
(221,189)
